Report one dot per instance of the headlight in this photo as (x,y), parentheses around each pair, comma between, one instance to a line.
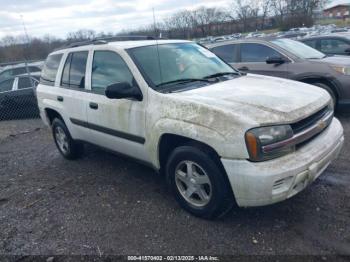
(259,137)
(342,69)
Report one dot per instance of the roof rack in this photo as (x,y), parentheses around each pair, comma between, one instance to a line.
(105,40)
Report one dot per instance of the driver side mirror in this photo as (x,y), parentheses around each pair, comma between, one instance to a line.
(123,90)
(276,60)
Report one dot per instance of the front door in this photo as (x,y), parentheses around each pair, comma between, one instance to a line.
(253,58)
(116,124)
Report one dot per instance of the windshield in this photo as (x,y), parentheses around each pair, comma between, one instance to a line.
(178,61)
(299,49)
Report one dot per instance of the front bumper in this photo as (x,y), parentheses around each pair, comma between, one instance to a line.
(264,183)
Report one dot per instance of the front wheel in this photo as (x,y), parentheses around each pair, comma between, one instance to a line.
(198,184)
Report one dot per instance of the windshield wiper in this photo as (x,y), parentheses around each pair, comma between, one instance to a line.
(183,81)
(221,74)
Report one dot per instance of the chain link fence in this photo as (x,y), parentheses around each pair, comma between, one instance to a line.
(18,83)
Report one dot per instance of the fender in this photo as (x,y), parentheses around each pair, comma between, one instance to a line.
(185,129)
(329,78)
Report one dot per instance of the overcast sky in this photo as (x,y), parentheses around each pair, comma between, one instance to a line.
(59,17)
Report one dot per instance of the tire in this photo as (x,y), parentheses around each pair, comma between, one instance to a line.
(330,92)
(212,196)
(68,148)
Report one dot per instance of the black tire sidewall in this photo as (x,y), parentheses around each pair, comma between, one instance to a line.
(59,123)
(218,182)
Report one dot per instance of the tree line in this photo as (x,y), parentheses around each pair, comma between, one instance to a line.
(238,16)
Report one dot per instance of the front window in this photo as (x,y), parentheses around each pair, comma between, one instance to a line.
(257,53)
(166,63)
(298,49)
(109,68)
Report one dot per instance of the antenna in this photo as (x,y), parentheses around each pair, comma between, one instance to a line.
(25,56)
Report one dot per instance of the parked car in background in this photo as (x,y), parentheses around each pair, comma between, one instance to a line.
(255,35)
(290,59)
(19,69)
(17,97)
(331,44)
(220,137)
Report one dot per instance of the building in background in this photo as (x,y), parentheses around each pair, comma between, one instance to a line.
(339,11)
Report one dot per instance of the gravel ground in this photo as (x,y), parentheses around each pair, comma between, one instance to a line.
(104,204)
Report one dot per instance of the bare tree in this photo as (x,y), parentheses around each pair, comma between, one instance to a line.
(265,11)
(81,35)
(242,10)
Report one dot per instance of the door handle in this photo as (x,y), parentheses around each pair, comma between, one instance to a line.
(60,98)
(243,68)
(93,105)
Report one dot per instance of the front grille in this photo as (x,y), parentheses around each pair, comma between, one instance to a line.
(309,121)
(304,130)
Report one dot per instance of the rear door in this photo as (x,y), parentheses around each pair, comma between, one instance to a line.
(73,96)
(24,96)
(253,56)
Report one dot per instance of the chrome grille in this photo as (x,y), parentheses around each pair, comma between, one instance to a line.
(305,130)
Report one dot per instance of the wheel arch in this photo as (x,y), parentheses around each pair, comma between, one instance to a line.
(321,79)
(168,142)
(51,114)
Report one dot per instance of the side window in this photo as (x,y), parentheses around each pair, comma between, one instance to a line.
(257,53)
(48,75)
(34,69)
(311,43)
(334,46)
(24,82)
(65,74)
(19,71)
(6,85)
(109,68)
(74,70)
(226,52)
(5,74)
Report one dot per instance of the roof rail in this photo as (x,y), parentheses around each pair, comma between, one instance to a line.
(105,40)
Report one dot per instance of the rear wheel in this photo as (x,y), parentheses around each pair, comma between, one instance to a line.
(198,184)
(330,92)
(68,148)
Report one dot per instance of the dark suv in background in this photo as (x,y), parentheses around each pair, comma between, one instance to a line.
(290,59)
(332,44)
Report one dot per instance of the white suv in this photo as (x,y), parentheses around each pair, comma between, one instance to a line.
(219,136)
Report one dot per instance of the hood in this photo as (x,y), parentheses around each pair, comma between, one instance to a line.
(261,99)
(335,60)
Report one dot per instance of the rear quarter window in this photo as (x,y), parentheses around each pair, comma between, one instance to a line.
(311,43)
(226,52)
(49,72)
